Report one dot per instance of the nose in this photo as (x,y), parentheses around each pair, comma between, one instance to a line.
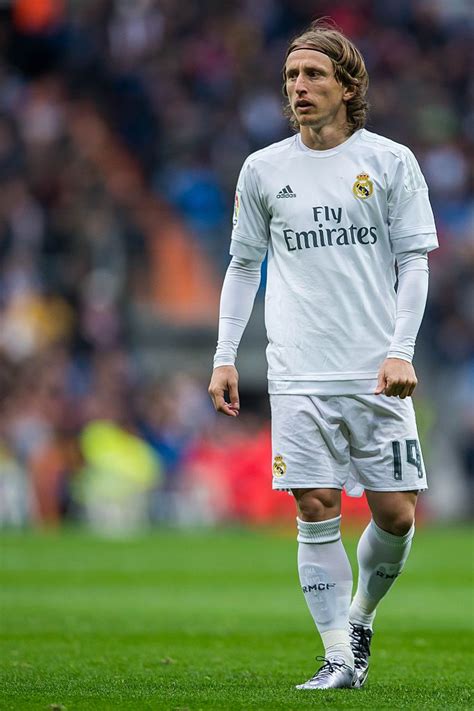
(300,87)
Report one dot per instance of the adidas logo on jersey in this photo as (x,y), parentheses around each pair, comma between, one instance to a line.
(286,192)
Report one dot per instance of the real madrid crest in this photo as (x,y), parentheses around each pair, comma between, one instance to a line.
(363,186)
(279,466)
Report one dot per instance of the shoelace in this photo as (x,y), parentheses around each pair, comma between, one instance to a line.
(327,668)
(360,638)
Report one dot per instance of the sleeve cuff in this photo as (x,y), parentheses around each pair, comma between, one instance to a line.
(414,242)
(244,250)
(222,360)
(400,356)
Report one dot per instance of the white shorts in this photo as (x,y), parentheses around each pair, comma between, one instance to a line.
(353,441)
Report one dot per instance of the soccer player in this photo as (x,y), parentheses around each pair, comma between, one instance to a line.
(344,217)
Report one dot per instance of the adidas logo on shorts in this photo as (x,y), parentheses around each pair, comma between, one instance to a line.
(286,192)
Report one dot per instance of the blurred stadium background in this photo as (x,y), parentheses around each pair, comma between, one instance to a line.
(123,125)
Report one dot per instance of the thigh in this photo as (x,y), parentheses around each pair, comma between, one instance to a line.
(385,448)
(309,442)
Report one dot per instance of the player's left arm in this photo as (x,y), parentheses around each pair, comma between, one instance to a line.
(412,234)
(397,375)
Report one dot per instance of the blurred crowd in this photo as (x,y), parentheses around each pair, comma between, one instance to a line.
(123,126)
(88,439)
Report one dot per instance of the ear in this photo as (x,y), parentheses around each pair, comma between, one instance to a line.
(349,93)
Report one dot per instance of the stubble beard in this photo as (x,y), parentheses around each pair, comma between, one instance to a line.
(316,122)
(309,121)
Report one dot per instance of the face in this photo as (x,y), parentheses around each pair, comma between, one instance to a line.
(315,97)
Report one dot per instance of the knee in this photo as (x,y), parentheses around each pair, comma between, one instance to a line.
(318,505)
(398,523)
(393,512)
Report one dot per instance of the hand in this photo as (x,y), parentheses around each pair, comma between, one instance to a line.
(396,377)
(225,378)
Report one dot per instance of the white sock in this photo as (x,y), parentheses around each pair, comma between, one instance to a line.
(381,557)
(326,579)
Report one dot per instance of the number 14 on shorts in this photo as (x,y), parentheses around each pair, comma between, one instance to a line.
(413,457)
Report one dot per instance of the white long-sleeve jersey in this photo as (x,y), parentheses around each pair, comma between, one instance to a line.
(333,224)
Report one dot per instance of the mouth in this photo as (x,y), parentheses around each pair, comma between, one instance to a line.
(303,104)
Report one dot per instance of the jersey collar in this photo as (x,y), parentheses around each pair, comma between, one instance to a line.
(330,151)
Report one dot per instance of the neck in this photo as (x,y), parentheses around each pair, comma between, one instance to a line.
(324,137)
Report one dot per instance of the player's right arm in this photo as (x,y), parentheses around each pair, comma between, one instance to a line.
(248,249)
(240,286)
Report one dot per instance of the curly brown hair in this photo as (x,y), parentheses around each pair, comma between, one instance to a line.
(349,69)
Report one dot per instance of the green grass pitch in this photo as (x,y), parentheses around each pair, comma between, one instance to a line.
(216,620)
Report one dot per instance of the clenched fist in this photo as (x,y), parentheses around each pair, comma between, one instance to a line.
(396,377)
